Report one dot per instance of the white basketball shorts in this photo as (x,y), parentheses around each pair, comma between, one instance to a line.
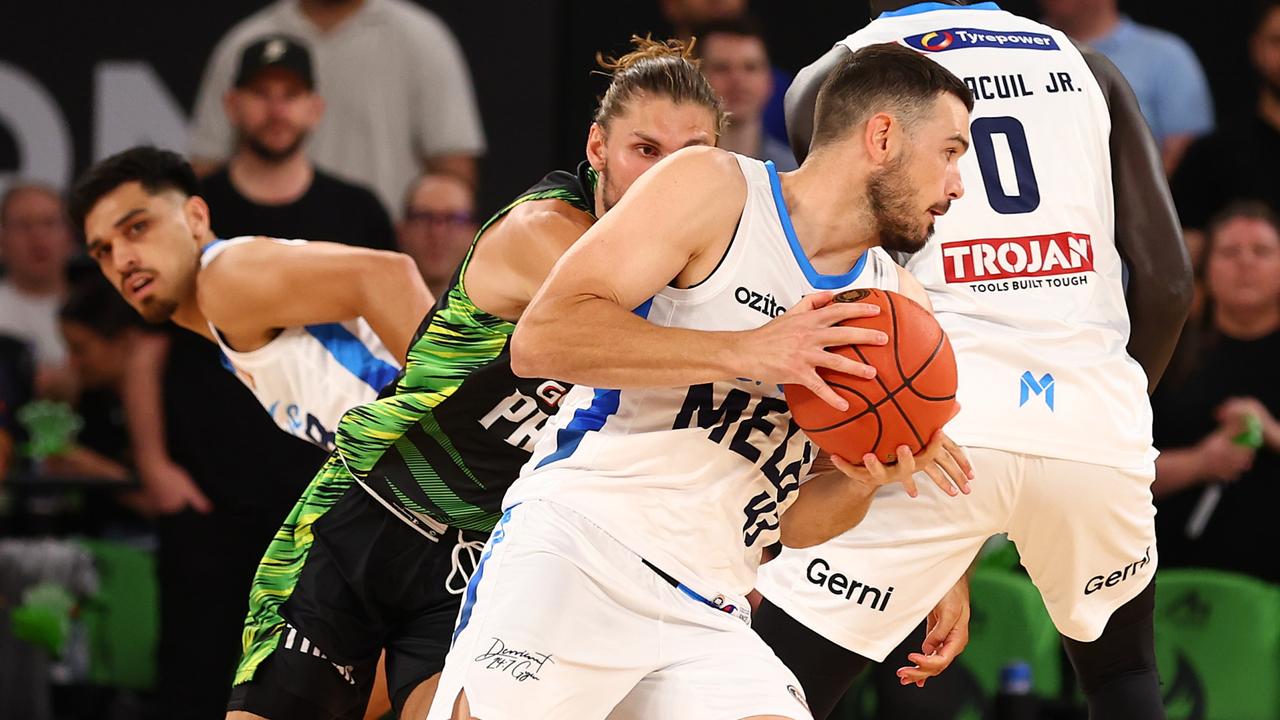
(562,621)
(1086,535)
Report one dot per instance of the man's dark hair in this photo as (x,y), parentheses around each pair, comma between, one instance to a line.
(155,169)
(741,26)
(881,78)
(1236,210)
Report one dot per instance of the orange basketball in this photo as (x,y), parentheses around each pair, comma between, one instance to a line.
(911,397)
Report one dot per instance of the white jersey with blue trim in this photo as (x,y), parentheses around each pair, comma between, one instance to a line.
(693,479)
(307,377)
(1023,271)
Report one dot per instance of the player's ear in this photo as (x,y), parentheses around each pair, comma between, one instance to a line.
(196,211)
(877,136)
(595,146)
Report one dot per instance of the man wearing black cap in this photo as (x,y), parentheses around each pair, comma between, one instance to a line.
(270,186)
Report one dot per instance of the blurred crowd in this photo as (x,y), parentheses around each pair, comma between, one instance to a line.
(356,121)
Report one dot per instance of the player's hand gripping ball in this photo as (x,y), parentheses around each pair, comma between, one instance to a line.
(909,400)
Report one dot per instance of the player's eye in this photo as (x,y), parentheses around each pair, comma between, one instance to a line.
(648,151)
(137,228)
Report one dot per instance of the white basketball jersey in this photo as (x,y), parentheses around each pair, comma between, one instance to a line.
(307,377)
(1023,271)
(693,479)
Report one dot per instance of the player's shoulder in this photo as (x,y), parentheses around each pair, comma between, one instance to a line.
(548,214)
(700,167)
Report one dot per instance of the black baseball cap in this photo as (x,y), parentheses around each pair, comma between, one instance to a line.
(272,51)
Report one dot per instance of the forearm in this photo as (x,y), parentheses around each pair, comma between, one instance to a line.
(595,342)
(828,505)
(395,299)
(1176,470)
(142,397)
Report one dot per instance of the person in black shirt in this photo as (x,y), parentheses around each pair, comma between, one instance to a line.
(269,186)
(1218,475)
(1237,161)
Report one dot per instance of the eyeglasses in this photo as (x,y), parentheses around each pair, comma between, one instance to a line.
(428,218)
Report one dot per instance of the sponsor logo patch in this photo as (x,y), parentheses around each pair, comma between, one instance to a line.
(960,38)
(1020,257)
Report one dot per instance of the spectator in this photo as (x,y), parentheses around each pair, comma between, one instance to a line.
(99,327)
(1213,490)
(270,186)
(438,227)
(35,245)
(1162,69)
(687,15)
(398,91)
(736,63)
(1238,161)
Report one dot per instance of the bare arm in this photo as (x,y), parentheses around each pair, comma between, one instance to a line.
(169,488)
(1147,231)
(802,99)
(1214,459)
(675,222)
(256,288)
(514,255)
(838,496)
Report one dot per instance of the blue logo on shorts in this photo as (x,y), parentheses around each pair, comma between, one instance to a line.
(1031,386)
(959,38)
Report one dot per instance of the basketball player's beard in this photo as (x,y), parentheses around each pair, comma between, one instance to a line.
(269,154)
(158,311)
(608,196)
(889,194)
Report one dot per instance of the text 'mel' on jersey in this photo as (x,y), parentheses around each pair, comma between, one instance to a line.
(693,479)
(307,377)
(450,434)
(1023,272)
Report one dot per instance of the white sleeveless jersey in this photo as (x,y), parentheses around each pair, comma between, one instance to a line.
(1023,271)
(693,479)
(307,377)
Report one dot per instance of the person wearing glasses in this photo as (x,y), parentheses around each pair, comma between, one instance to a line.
(437,227)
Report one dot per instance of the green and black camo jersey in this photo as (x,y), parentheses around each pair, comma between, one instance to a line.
(447,438)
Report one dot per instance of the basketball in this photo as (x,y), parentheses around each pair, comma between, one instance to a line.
(911,397)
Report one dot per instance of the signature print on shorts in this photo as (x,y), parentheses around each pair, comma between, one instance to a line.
(521,664)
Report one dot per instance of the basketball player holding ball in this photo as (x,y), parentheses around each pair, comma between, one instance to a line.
(614,583)
(1055,362)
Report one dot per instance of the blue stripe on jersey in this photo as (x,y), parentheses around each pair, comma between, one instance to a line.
(211,246)
(925,7)
(816,279)
(469,602)
(588,419)
(353,355)
(591,418)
